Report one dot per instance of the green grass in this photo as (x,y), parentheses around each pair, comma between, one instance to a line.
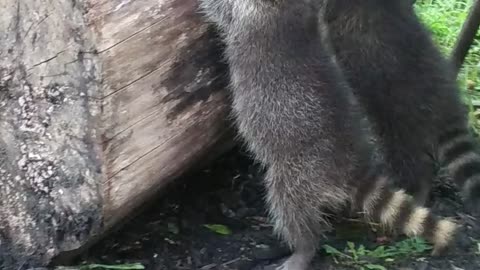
(445,18)
(361,258)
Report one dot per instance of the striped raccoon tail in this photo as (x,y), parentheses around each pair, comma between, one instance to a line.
(458,153)
(395,210)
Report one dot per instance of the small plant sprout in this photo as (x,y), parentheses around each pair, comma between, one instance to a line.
(362,258)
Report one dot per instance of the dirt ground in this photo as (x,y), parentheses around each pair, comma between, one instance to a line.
(171,234)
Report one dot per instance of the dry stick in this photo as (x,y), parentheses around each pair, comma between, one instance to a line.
(466,37)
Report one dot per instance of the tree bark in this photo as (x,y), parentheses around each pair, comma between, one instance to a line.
(466,37)
(102,103)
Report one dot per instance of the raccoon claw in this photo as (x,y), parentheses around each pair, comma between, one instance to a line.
(298,261)
(292,265)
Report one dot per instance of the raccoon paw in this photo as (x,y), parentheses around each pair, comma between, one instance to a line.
(298,261)
(292,265)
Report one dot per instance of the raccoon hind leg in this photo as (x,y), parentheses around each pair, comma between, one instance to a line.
(409,162)
(297,201)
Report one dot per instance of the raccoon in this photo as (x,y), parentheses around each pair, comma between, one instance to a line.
(409,92)
(299,119)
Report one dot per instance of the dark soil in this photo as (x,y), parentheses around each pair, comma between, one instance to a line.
(171,234)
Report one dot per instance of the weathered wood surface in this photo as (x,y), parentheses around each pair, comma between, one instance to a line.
(102,102)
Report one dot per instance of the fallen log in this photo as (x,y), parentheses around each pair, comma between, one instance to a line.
(102,103)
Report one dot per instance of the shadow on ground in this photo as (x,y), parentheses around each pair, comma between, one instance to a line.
(172,233)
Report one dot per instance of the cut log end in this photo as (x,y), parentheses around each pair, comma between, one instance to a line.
(97,114)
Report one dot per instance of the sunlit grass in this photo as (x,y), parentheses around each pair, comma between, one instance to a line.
(445,18)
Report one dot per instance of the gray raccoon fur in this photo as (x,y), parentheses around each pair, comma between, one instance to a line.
(298,117)
(408,91)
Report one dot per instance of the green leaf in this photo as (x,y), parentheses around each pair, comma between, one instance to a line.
(352,250)
(331,250)
(131,266)
(375,267)
(172,227)
(218,228)
(361,250)
(379,252)
(335,252)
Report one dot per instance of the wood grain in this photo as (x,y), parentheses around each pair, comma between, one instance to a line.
(102,103)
